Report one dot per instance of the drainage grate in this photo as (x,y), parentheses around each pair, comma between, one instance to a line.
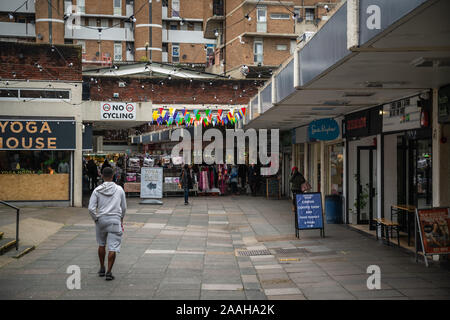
(249,253)
(290,250)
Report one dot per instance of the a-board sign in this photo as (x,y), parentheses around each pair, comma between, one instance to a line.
(309,213)
(434,230)
(151,183)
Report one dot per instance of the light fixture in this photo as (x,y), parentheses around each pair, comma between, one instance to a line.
(216,33)
(11,16)
(132,18)
(66,16)
(326,7)
(248,17)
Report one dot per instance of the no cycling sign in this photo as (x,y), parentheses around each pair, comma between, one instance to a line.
(118,111)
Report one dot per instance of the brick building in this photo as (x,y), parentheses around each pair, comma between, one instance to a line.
(111,31)
(259,34)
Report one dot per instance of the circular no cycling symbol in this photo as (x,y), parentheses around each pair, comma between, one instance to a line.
(129,107)
(106,107)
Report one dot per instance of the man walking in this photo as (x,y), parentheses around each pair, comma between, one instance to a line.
(107,207)
(186,182)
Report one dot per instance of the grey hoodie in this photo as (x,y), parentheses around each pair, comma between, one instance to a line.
(108,199)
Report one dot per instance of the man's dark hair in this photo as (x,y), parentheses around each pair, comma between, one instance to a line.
(107,172)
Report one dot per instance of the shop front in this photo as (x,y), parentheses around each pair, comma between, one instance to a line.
(407,136)
(362,131)
(36,159)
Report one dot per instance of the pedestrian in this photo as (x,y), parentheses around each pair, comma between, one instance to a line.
(107,207)
(296,180)
(186,182)
(92,173)
(105,164)
(234,180)
(252,178)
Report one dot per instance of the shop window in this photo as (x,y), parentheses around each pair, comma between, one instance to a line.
(7,93)
(44,94)
(336,169)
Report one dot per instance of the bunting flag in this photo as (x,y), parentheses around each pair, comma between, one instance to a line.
(187,117)
(161,110)
(184,111)
(171,111)
(155,115)
(219,113)
(243,110)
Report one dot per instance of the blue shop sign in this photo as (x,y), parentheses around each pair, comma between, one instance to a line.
(309,211)
(323,130)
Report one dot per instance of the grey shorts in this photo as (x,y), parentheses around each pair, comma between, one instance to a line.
(109,230)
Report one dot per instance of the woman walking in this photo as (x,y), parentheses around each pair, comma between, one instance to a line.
(186,182)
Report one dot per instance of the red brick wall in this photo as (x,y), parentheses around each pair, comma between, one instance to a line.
(22,57)
(175,91)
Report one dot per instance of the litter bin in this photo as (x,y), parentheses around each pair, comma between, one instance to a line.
(333,208)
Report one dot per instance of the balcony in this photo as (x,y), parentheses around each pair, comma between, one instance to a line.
(184,36)
(14,29)
(115,34)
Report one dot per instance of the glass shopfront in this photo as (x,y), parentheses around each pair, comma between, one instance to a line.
(36,159)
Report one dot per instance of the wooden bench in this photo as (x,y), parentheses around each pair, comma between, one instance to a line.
(387,224)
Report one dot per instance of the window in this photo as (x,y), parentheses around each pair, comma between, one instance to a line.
(105,23)
(281,47)
(34,94)
(175,8)
(81,6)
(279,16)
(261,14)
(117,51)
(309,14)
(117,7)
(198,26)
(92,22)
(7,93)
(82,43)
(261,23)
(175,52)
(258,51)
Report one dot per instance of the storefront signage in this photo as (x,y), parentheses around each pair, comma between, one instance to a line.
(37,134)
(323,130)
(151,183)
(434,230)
(118,111)
(363,123)
(401,115)
(309,211)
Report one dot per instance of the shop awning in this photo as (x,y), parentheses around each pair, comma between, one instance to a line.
(398,49)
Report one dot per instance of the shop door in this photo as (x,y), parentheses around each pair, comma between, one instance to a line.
(366,184)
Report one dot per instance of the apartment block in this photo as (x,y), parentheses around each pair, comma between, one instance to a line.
(253,37)
(112,31)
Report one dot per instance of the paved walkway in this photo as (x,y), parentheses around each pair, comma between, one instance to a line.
(194,252)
